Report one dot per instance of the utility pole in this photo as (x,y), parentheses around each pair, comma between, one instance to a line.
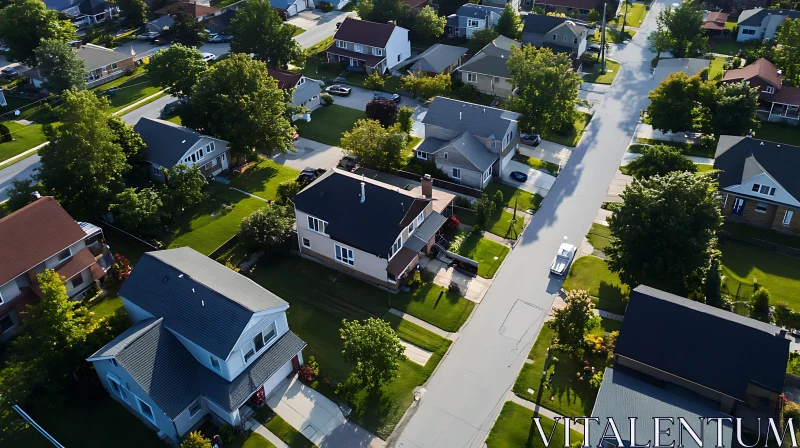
(603,39)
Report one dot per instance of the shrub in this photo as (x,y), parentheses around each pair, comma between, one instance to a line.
(452,223)
(226,434)
(327,99)
(374,81)
(404,119)
(499,202)
(122,268)
(415,280)
(791,410)
(326,7)
(383,110)
(309,371)
(196,440)
(287,190)
(463,202)
(596,380)
(485,210)
(708,142)
(5,134)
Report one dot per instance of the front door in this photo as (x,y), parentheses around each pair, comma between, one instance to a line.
(738,206)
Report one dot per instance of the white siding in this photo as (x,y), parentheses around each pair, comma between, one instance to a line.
(231,418)
(398,48)
(780,196)
(184,421)
(9,291)
(219,147)
(235,361)
(86,277)
(203,356)
(135,313)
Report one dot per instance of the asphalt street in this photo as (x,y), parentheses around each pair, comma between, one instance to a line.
(468,389)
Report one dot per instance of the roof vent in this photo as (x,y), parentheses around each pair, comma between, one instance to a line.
(459,115)
(780,72)
(202,303)
(192,289)
(166,277)
(363,193)
(180,275)
(762,143)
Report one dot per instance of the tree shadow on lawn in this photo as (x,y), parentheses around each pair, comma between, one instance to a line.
(612,298)
(255,178)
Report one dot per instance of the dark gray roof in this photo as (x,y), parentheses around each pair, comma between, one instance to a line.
(541,24)
(96,56)
(431,145)
(437,58)
(119,343)
(198,298)
(481,121)
(419,239)
(372,226)
(754,17)
(158,25)
(726,351)
(94,6)
(220,23)
(60,5)
(166,142)
(477,11)
(622,395)
(474,151)
(779,160)
(492,58)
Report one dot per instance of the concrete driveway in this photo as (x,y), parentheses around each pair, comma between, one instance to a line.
(359,97)
(325,26)
(538,181)
(311,154)
(317,417)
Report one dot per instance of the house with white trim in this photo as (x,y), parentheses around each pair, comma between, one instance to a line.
(776,102)
(470,18)
(762,23)
(369,46)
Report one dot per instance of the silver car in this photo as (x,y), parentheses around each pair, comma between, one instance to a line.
(566,252)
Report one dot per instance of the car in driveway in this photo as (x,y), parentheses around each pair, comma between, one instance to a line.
(338,90)
(208,57)
(531,139)
(171,108)
(593,48)
(518,176)
(309,174)
(387,96)
(218,38)
(150,35)
(563,259)
(9,72)
(348,163)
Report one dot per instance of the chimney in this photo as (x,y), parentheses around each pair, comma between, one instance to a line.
(363,195)
(427,186)
(35,196)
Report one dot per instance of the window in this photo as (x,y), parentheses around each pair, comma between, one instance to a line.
(445,156)
(113,65)
(787,217)
(574,40)
(769,89)
(565,38)
(764,189)
(422,155)
(377,51)
(411,228)
(306,243)
(64,254)
(359,48)
(249,355)
(398,58)
(215,363)
(583,11)
(116,387)
(210,147)
(391,278)
(472,77)
(456,173)
(487,174)
(114,361)
(555,36)
(269,334)
(398,243)
(420,218)
(756,187)
(156,170)
(258,342)
(472,23)
(495,80)
(317,225)
(193,158)
(772,191)
(146,410)
(761,207)
(6,323)
(344,255)
(195,409)
(341,44)
(748,32)
(77,281)
(302,81)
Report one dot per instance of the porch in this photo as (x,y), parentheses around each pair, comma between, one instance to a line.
(779,112)
(100,76)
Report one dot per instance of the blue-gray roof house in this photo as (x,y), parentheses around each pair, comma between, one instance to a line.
(470,18)
(204,340)
(292,7)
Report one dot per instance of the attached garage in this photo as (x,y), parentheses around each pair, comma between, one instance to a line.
(507,158)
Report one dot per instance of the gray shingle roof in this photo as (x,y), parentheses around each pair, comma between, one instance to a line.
(754,17)
(306,91)
(419,239)
(96,56)
(476,152)
(492,58)
(779,160)
(437,58)
(541,24)
(166,142)
(477,11)
(198,298)
(481,121)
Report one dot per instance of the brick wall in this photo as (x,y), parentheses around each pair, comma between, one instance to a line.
(794,224)
(750,215)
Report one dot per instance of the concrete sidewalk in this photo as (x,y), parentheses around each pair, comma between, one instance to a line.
(547,151)
(310,154)
(544,412)
(430,327)
(628,157)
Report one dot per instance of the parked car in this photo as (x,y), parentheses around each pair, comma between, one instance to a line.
(593,48)
(309,174)
(10,72)
(518,176)
(150,35)
(566,252)
(338,90)
(161,40)
(218,38)
(387,96)
(531,139)
(208,57)
(348,163)
(171,108)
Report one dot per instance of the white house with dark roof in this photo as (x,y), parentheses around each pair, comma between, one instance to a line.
(168,144)
(469,18)
(469,142)
(369,46)
(205,341)
(761,23)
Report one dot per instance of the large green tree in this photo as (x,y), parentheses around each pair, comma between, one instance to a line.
(427,86)
(787,53)
(547,88)
(24,23)
(428,24)
(509,24)
(139,212)
(187,29)
(574,321)
(134,11)
(186,187)
(129,140)
(236,101)
(268,228)
(383,11)
(481,38)
(681,29)
(60,65)
(83,166)
(680,103)
(177,69)
(378,148)
(373,349)
(665,231)
(735,108)
(258,29)
(658,160)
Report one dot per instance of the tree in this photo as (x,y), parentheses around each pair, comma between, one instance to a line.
(383,11)
(258,29)
(665,230)
(82,166)
(237,101)
(129,140)
(594,16)
(134,11)
(404,121)
(186,187)
(447,7)
(547,88)
(177,69)
(713,283)
(383,110)
(481,38)
(23,25)
(509,23)
(60,65)
(574,321)
(374,81)
(268,228)
(187,29)
(196,439)
(377,148)
(427,86)
(681,103)
(139,211)
(484,209)
(287,190)
(734,109)
(760,301)
(19,195)
(428,24)
(659,42)
(787,53)
(658,160)
(681,30)
(374,350)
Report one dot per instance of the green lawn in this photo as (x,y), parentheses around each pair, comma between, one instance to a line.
(729,47)
(514,426)
(748,264)
(636,15)
(287,433)
(500,224)
(717,67)
(574,136)
(487,253)
(24,138)
(599,236)
(328,123)
(596,75)
(592,274)
(745,231)
(129,90)
(296,30)
(687,148)
(703,168)
(612,36)
(537,164)
(774,132)
(523,199)
(175,119)
(435,305)
(256,440)
(391,83)
(263,179)
(106,307)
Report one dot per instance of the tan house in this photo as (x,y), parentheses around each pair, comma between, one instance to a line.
(758,183)
(487,70)
(104,64)
(368,229)
(776,102)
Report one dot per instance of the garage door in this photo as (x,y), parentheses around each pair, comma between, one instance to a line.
(507,159)
(276,379)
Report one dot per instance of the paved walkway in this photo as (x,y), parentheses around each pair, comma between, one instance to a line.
(646,131)
(275,440)
(544,412)
(310,154)
(430,327)
(631,156)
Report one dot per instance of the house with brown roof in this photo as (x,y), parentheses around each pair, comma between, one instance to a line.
(195,10)
(39,236)
(369,46)
(306,91)
(715,21)
(777,102)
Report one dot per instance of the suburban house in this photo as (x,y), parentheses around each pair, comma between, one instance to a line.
(366,228)
(306,91)
(219,24)
(103,65)
(84,12)
(690,66)
(578,9)
(758,183)
(777,102)
(560,34)
(470,18)
(439,58)
(714,21)
(469,142)
(369,46)
(502,3)
(487,70)
(194,9)
(168,144)
(205,341)
(159,25)
(699,371)
(761,23)
(40,236)
(292,7)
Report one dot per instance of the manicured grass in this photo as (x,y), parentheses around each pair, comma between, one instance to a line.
(592,274)
(500,224)
(317,68)
(296,30)
(612,36)
(524,200)
(687,148)
(703,168)
(256,440)
(599,236)
(717,67)
(774,132)
(320,46)
(596,75)
(391,83)
(176,119)
(573,137)
(729,47)
(537,164)
(263,179)
(287,433)
(24,138)
(514,426)
(129,90)
(636,15)
(748,264)
(106,307)
(329,123)
(487,253)
(745,231)
(435,305)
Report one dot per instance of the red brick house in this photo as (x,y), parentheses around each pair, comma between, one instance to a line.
(777,102)
(759,182)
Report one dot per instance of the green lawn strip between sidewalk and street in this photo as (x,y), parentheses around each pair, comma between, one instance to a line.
(500,224)
(537,164)
(599,236)
(592,274)
(514,426)
(329,123)
(23,138)
(489,254)
(571,138)
(635,17)
(524,200)
(596,75)
(288,433)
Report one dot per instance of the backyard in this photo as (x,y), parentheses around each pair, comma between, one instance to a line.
(514,427)
(572,137)
(744,265)
(717,67)
(595,73)
(725,46)
(23,138)
(592,274)
(329,123)
(487,253)
(635,17)
(263,179)
(779,133)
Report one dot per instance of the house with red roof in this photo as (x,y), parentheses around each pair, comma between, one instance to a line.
(777,102)
(714,22)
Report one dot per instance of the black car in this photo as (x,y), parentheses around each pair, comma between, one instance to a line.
(531,139)
(338,90)
(309,174)
(518,176)
(387,96)
(593,48)
(348,163)
(9,72)
(171,108)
